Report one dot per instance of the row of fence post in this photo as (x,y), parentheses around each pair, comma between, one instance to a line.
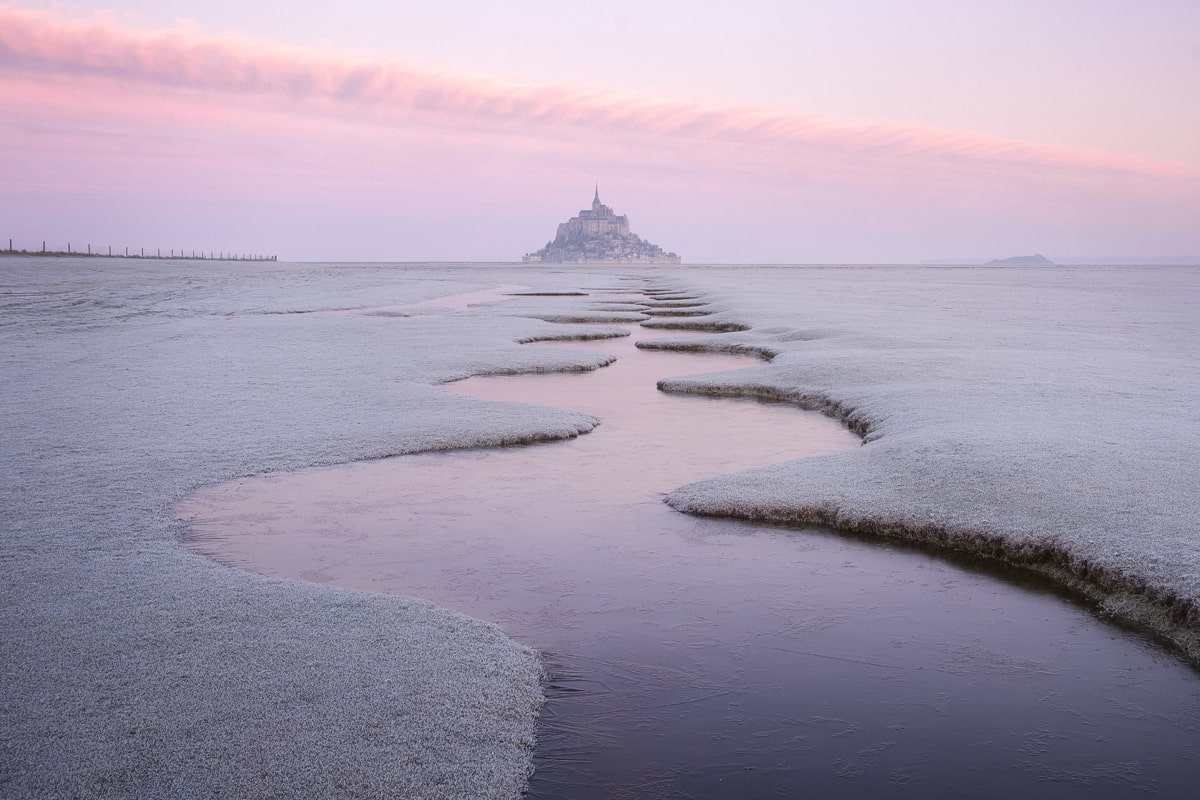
(197,255)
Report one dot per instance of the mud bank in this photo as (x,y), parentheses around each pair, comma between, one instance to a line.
(995,475)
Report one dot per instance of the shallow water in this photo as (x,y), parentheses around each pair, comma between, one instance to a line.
(711,658)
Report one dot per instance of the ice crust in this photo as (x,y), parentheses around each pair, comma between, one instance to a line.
(133,667)
(1049,416)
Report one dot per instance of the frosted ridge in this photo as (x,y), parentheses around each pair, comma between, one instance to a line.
(1046,416)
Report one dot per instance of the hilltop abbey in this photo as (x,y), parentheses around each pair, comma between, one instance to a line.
(598,235)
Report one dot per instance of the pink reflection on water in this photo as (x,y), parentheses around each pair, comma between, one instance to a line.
(507,533)
(649,441)
(712,658)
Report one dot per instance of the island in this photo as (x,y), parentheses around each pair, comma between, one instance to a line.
(1036,260)
(599,235)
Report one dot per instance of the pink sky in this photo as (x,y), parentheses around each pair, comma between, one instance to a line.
(123,128)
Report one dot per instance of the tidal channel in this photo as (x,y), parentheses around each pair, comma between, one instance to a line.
(703,658)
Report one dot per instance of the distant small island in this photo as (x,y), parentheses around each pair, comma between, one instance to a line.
(1036,260)
(598,235)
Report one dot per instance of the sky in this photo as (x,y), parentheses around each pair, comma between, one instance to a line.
(748,132)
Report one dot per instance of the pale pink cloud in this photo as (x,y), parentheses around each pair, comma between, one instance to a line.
(392,93)
(114,132)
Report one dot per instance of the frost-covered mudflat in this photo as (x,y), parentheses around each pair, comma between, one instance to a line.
(134,667)
(1044,414)
(1048,415)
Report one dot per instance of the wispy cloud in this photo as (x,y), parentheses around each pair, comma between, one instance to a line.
(113,131)
(392,92)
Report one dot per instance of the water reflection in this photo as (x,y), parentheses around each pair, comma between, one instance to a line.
(713,659)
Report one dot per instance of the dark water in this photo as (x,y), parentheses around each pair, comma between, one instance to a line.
(709,659)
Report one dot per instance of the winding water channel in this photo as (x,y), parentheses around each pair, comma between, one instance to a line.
(705,658)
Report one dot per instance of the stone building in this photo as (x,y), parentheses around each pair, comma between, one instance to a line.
(599,235)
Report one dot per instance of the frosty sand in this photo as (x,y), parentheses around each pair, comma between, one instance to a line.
(1053,410)
(1046,416)
(133,667)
